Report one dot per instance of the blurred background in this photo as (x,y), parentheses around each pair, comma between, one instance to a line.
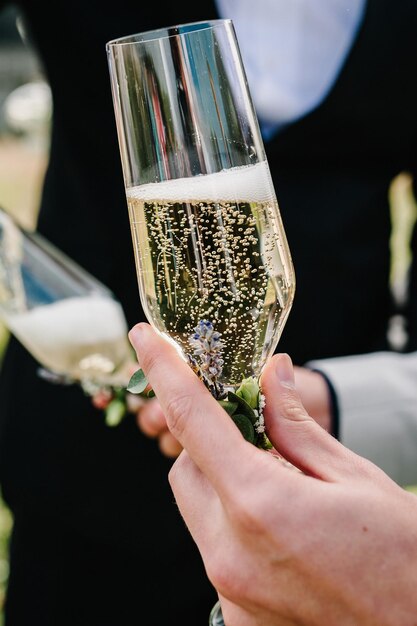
(25,115)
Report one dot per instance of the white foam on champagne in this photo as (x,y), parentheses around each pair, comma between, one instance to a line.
(249,183)
(60,334)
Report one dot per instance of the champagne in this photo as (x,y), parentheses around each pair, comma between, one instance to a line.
(212,247)
(84,338)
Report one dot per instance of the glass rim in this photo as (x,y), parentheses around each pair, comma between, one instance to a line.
(175,30)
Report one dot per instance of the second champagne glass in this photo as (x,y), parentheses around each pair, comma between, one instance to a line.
(214,268)
(69,321)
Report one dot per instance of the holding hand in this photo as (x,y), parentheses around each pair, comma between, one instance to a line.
(334,544)
(310,385)
(152,422)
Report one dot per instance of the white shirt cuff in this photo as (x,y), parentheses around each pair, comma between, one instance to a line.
(377,398)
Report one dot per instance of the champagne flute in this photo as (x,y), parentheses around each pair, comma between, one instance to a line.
(69,321)
(214,268)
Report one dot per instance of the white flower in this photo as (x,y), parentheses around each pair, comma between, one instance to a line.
(260,425)
(260,422)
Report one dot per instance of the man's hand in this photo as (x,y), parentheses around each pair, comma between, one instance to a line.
(334,544)
(149,417)
(151,421)
(310,385)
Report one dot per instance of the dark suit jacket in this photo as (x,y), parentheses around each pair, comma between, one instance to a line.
(332,171)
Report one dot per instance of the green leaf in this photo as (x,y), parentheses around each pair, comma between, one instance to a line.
(138,382)
(243,406)
(245,426)
(115,412)
(263,442)
(150,394)
(229,407)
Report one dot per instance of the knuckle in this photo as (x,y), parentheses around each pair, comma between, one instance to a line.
(173,475)
(178,411)
(247,514)
(293,410)
(146,427)
(222,574)
(178,469)
(153,415)
(168,445)
(363,468)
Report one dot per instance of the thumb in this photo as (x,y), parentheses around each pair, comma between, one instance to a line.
(295,434)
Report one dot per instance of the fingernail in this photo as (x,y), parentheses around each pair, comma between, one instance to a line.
(135,335)
(285,371)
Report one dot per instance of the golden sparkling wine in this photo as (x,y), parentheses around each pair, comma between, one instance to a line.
(212,247)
